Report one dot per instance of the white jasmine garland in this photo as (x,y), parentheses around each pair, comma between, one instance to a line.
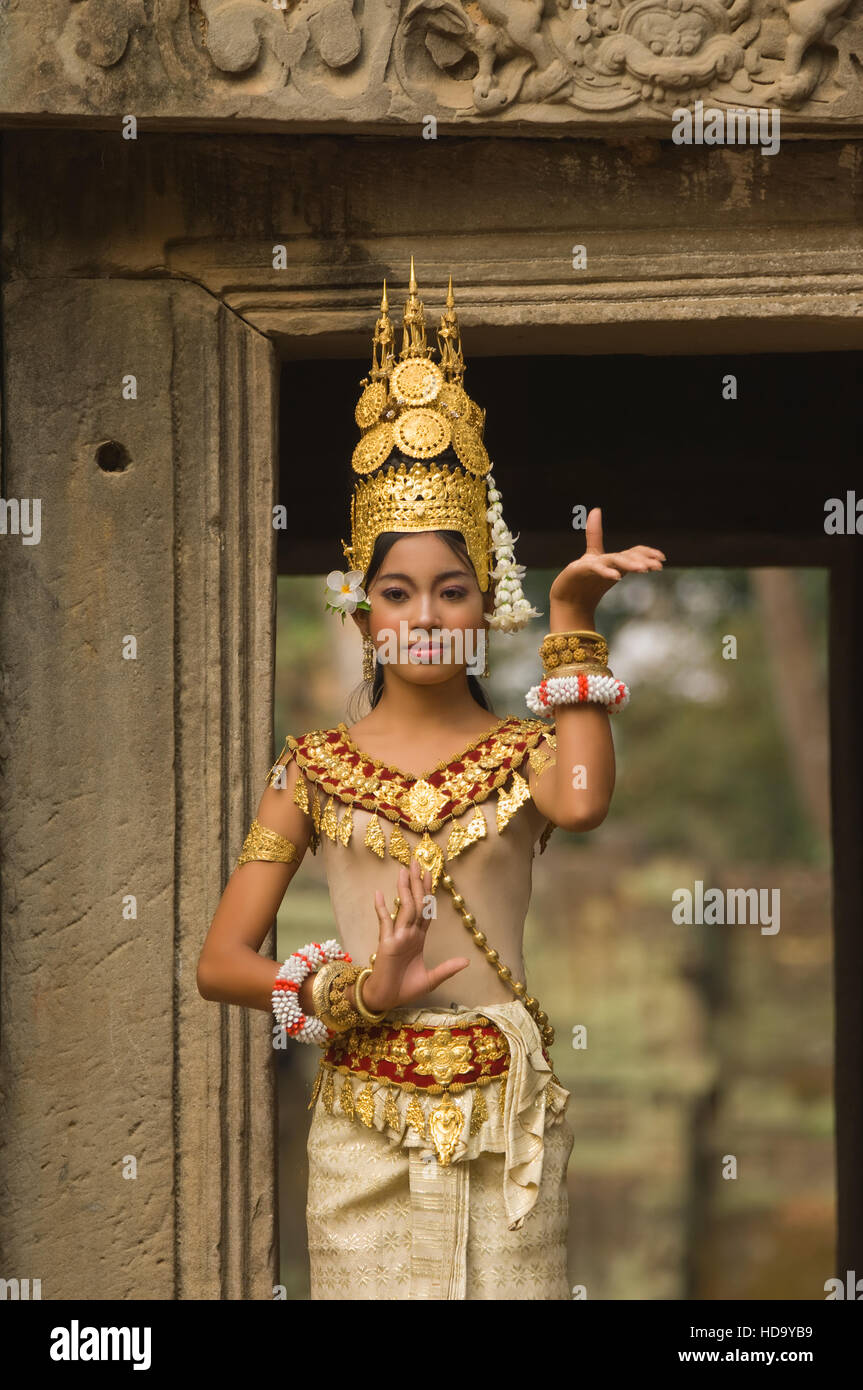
(588,687)
(511,609)
(286,1008)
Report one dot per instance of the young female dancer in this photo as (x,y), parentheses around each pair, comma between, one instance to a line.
(438,1143)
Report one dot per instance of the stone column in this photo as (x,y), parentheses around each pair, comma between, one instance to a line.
(137,671)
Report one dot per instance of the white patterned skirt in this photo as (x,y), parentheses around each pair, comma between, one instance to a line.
(388,1219)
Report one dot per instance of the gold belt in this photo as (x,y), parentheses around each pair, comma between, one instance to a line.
(432,1060)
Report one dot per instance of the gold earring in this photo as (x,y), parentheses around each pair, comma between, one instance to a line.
(485,646)
(369,658)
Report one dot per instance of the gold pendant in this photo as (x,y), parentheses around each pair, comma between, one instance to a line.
(479,1113)
(329,824)
(329,1091)
(365,1105)
(346,1098)
(463,835)
(346,825)
(399,847)
(430,856)
(301,795)
(445,1126)
(509,802)
(317,1086)
(374,839)
(415,1117)
(391,1114)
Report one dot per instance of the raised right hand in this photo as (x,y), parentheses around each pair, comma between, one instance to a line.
(399,974)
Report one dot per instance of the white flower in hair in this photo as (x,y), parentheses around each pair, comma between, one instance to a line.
(344,593)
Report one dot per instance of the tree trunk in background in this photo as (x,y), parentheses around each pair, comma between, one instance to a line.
(801,696)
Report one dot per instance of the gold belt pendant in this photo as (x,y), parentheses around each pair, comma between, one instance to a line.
(445,1126)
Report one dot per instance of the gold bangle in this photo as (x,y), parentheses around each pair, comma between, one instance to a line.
(341,1013)
(328,993)
(321,986)
(366,1013)
(562,648)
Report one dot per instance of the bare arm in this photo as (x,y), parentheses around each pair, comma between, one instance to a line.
(583,731)
(577,803)
(230,968)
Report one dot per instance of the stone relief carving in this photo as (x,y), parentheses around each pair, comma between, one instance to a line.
(542,61)
(614,53)
(307,41)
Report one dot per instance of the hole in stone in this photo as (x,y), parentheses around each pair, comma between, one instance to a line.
(112,457)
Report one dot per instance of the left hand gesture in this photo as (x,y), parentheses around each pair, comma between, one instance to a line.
(582,584)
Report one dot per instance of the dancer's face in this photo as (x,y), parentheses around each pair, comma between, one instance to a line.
(425,585)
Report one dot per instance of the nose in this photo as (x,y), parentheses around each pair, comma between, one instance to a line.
(424,613)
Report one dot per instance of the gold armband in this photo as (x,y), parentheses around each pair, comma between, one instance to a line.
(263,843)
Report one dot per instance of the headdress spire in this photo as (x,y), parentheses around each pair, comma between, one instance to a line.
(421,409)
(382,342)
(414,322)
(449,341)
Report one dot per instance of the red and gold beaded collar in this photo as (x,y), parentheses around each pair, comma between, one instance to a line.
(331,761)
(330,758)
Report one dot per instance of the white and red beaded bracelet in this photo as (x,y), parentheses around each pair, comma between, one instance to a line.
(583,688)
(286,1005)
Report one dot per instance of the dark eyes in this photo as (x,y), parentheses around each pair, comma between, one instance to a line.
(454,592)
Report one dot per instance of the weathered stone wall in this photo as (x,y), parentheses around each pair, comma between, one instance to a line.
(687,249)
(136,710)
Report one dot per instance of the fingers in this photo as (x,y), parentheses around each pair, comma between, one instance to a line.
(629,561)
(446,970)
(385,921)
(420,885)
(413,886)
(593,532)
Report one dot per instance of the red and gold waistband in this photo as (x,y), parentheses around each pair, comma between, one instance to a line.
(423,1059)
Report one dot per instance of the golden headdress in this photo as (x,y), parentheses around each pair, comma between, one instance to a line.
(419,407)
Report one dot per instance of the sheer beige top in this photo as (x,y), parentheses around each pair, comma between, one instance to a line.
(369,817)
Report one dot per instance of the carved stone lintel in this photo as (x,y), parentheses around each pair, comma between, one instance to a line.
(612,64)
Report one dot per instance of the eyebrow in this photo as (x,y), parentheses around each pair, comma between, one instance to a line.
(445,574)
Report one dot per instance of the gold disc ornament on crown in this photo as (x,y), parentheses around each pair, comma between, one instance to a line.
(370,404)
(470,449)
(416,381)
(422,433)
(375,446)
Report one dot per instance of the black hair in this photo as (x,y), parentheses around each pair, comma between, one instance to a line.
(373,689)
